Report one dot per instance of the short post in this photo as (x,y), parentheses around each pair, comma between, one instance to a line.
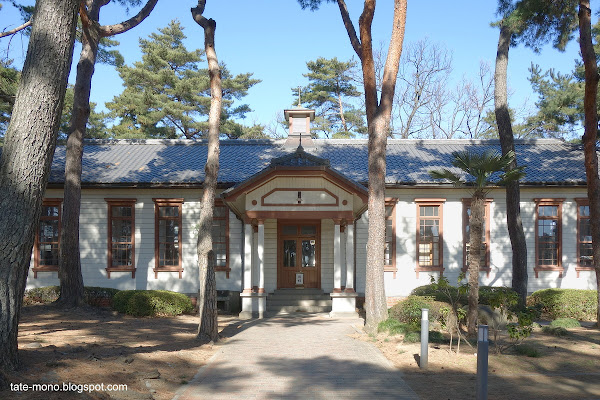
(424,337)
(482,362)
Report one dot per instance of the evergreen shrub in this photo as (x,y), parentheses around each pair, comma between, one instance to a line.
(566,303)
(151,303)
(408,311)
(565,323)
(46,294)
(94,296)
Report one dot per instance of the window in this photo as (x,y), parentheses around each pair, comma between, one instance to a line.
(121,236)
(167,249)
(47,237)
(430,235)
(390,236)
(485,239)
(548,235)
(585,255)
(220,237)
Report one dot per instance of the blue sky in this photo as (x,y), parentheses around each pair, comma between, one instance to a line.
(275,38)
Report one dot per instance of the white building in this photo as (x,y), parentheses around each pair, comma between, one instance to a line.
(292,217)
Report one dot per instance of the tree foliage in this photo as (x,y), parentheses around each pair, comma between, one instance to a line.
(9,81)
(560,97)
(167,94)
(330,92)
(96,124)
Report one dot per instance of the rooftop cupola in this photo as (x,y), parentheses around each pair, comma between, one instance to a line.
(299,120)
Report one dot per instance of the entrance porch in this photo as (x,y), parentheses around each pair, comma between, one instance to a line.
(291,259)
(299,231)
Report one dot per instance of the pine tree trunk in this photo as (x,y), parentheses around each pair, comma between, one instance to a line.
(341,110)
(378,121)
(375,299)
(69,272)
(207,294)
(590,136)
(475,235)
(513,192)
(27,155)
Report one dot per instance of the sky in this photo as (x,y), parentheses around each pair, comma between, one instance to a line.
(275,38)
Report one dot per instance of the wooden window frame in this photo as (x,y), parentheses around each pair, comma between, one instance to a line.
(430,203)
(549,202)
(158,203)
(581,202)
(225,268)
(50,202)
(391,202)
(120,203)
(466,202)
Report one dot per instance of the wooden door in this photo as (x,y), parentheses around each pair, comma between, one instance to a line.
(298,255)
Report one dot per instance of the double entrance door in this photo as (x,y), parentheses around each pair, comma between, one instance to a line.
(298,253)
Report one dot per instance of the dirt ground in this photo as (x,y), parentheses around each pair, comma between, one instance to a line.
(152,356)
(567,368)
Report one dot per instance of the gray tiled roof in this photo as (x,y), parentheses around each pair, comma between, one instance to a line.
(408,161)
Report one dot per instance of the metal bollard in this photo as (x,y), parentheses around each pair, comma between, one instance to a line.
(424,338)
(482,362)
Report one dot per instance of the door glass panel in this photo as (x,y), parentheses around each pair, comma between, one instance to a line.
(308,253)
(289,253)
(290,230)
(308,230)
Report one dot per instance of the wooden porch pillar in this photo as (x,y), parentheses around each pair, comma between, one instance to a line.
(248,242)
(261,256)
(350,257)
(337,257)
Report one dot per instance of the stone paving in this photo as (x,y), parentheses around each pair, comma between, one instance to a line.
(297,357)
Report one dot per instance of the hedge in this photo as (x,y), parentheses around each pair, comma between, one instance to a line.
(431,292)
(94,296)
(150,303)
(566,303)
(408,311)
(46,294)
(486,293)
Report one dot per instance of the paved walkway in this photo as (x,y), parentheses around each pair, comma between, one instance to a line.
(297,357)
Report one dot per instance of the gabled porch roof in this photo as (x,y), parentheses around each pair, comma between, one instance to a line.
(297,163)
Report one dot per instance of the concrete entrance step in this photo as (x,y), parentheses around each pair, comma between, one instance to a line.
(299,294)
(297,309)
(299,300)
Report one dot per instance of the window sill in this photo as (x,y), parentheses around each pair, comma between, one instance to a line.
(167,269)
(390,268)
(579,269)
(120,269)
(430,268)
(549,268)
(50,268)
(223,269)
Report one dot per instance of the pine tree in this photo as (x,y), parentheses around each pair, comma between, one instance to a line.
(167,94)
(328,92)
(560,97)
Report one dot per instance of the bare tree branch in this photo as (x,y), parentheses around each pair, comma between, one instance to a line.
(17,29)
(116,29)
(350,28)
